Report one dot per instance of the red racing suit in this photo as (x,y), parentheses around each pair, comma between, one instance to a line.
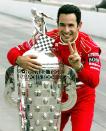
(82,113)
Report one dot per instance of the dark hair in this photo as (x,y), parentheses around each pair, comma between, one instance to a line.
(69,9)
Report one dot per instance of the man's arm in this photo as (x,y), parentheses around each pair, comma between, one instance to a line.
(90,73)
(15,56)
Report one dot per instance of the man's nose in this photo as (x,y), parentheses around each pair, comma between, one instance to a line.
(67,30)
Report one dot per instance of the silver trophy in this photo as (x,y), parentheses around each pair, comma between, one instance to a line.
(40,93)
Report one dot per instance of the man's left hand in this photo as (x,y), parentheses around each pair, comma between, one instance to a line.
(74,58)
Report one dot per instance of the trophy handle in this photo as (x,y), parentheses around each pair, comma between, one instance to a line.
(72,98)
(10,92)
(69,80)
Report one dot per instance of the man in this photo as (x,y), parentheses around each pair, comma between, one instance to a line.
(77,50)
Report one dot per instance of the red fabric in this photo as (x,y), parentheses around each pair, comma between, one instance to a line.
(18,51)
(82,113)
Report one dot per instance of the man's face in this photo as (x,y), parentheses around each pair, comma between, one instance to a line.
(68,27)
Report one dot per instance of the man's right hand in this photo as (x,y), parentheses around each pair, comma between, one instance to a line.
(28,62)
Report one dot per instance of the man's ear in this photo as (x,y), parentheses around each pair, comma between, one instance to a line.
(80,25)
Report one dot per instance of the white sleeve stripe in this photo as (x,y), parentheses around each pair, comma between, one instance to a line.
(95,68)
(94,64)
(17,47)
(29,45)
(84,46)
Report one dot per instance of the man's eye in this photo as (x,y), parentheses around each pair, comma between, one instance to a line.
(61,24)
(70,25)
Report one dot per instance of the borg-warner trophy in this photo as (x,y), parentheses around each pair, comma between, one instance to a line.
(39,93)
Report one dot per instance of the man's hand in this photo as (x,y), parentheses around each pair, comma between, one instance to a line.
(74,58)
(29,62)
